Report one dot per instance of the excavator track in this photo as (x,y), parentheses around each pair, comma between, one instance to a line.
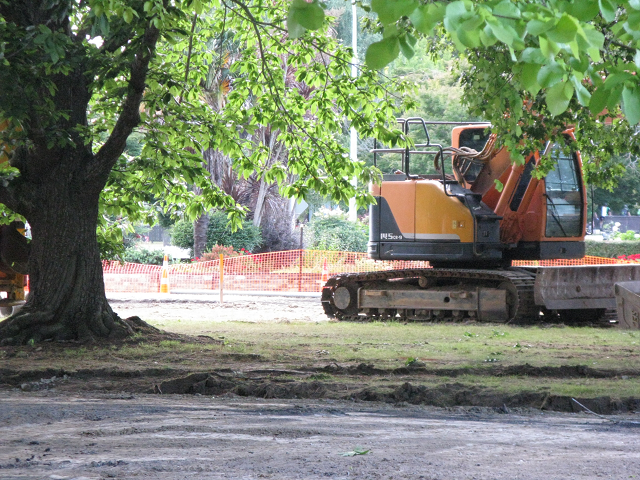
(518,283)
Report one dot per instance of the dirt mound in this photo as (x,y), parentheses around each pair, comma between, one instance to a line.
(562,371)
(449,395)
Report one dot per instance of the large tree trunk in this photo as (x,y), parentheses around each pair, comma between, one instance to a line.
(200,227)
(67,300)
(61,177)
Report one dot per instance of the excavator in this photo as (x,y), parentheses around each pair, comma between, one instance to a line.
(470,220)
(14,253)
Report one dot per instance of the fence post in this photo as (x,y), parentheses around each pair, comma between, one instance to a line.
(221,275)
(301,255)
(300,272)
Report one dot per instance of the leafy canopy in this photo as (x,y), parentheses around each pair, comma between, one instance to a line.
(101,39)
(555,45)
(532,67)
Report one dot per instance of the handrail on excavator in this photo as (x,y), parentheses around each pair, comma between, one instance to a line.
(406,152)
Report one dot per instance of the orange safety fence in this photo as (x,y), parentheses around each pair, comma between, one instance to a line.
(288,271)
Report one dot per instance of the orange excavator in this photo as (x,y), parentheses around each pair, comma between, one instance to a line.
(470,220)
(14,254)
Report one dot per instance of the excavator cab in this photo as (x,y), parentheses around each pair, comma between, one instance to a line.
(478,208)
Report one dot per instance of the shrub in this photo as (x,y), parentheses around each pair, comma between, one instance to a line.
(331,230)
(216,250)
(628,235)
(147,257)
(182,234)
(612,249)
(218,233)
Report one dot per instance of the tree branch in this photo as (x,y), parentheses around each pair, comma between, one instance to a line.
(130,115)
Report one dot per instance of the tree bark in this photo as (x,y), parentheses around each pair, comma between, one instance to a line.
(257,213)
(67,300)
(58,192)
(200,227)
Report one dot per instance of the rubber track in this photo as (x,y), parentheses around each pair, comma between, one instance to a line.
(521,280)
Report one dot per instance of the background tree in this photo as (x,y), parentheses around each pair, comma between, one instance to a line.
(73,71)
(216,86)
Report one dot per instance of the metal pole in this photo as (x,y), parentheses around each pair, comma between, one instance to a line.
(221,276)
(593,211)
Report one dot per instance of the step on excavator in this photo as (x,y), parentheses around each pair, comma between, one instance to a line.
(470,220)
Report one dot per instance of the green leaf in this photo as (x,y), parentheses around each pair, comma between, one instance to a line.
(558,98)
(549,48)
(528,77)
(618,78)
(550,75)
(391,10)
(633,21)
(382,53)
(615,97)
(506,9)
(406,48)
(538,27)
(585,10)
(487,37)
(631,104)
(564,31)
(505,33)
(456,10)
(309,15)
(469,37)
(635,4)
(580,65)
(599,100)
(355,451)
(294,28)
(608,10)
(593,37)
(532,55)
(425,17)
(303,15)
(583,95)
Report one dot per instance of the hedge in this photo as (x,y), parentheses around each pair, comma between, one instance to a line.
(218,233)
(612,249)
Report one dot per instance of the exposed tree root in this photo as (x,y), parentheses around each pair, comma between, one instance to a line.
(27,327)
(140,326)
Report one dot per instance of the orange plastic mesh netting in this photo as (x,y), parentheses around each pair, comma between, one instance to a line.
(289,271)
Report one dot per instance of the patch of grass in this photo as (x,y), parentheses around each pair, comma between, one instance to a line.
(388,345)
(322,377)
(573,387)
(75,352)
(466,348)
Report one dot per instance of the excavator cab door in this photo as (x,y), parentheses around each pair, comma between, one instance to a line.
(564,197)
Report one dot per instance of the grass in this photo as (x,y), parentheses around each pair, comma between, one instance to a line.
(390,345)
(451,353)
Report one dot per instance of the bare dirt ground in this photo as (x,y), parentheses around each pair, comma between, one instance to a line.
(80,429)
(177,437)
(207,308)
